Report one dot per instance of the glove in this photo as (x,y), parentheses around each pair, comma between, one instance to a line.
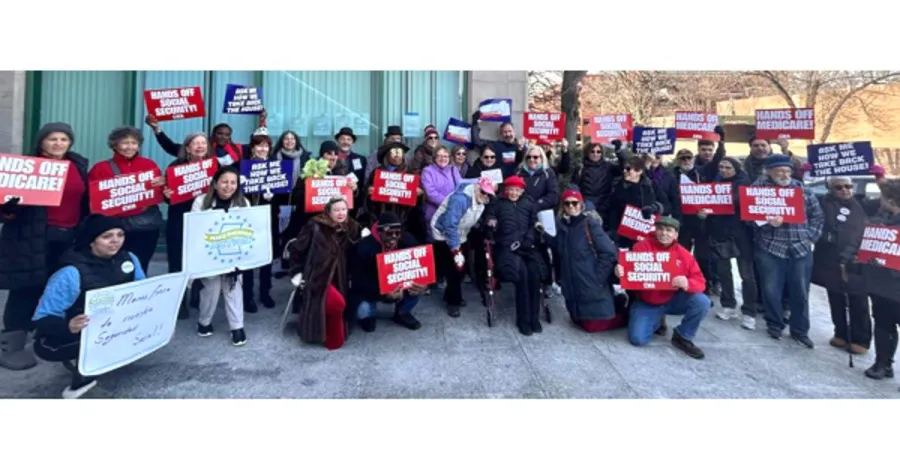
(617,145)
(11,204)
(721,132)
(297,280)
(459,260)
(647,211)
(268,195)
(476,116)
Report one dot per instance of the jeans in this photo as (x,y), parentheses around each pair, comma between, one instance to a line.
(749,289)
(857,306)
(645,318)
(785,274)
(368,309)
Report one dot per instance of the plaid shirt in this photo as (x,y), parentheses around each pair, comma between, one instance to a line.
(791,240)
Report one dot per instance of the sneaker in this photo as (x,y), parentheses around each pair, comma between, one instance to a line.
(407,320)
(557,291)
(453,311)
(266,300)
(368,324)
(687,346)
(79,387)
(804,340)
(726,313)
(204,330)
(880,371)
(238,337)
(774,333)
(748,322)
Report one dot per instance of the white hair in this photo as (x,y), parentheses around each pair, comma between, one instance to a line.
(832,180)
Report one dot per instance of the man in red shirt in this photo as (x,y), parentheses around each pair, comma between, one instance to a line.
(686,299)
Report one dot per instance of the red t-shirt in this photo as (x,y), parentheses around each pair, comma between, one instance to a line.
(68,213)
(103,170)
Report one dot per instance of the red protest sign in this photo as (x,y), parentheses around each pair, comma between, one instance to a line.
(797,123)
(35,181)
(696,125)
(716,197)
(175,103)
(188,181)
(605,128)
(760,202)
(880,244)
(546,126)
(405,267)
(647,271)
(633,225)
(395,187)
(126,194)
(320,190)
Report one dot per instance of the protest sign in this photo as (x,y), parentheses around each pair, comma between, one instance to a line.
(715,197)
(496,175)
(395,187)
(190,180)
(458,131)
(633,225)
(791,123)
(35,181)
(320,190)
(240,99)
(760,202)
(216,242)
(657,141)
(696,125)
(175,103)
(880,245)
(496,110)
(406,266)
(125,195)
(258,176)
(847,158)
(546,126)
(647,271)
(605,128)
(129,321)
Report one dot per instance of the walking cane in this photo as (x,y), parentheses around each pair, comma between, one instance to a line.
(849,341)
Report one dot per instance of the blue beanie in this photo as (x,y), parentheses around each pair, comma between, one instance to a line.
(779,160)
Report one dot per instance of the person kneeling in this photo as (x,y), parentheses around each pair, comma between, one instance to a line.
(97,261)
(387,235)
(688,299)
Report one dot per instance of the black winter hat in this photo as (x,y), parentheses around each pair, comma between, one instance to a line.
(96,224)
(329,146)
(388,219)
(49,129)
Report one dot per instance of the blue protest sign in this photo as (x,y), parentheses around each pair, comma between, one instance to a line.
(240,99)
(496,110)
(658,141)
(846,158)
(259,175)
(458,131)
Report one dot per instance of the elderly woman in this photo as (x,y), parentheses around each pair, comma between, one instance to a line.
(142,225)
(587,258)
(460,159)
(450,228)
(438,181)
(320,255)
(834,270)
(33,238)
(328,152)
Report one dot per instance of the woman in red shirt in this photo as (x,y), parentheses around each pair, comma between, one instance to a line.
(142,225)
(32,239)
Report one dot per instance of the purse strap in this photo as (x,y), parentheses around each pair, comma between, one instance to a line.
(115,167)
(588,235)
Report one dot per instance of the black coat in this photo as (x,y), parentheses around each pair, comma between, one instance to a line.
(542,187)
(585,267)
(515,221)
(594,181)
(727,229)
(23,238)
(477,167)
(299,216)
(838,246)
(642,194)
(882,281)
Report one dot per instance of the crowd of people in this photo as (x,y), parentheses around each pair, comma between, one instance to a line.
(51,256)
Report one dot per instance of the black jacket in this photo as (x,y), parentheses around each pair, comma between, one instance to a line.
(542,187)
(729,228)
(478,166)
(23,237)
(508,154)
(838,245)
(594,181)
(881,281)
(515,221)
(644,194)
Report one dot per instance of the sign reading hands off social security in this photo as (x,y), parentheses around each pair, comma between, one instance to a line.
(216,242)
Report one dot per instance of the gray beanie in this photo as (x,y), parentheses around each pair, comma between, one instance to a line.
(49,129)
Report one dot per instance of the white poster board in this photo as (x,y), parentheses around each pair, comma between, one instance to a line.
(216,242)
(129,321)
(496,175)
(548,220)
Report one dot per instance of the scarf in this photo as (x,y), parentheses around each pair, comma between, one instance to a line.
(232,149)
(289,155)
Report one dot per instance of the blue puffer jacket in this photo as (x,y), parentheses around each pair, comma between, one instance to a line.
(457,215)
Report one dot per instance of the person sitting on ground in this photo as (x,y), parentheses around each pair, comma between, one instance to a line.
(96,261)
(387,235)
(687,299)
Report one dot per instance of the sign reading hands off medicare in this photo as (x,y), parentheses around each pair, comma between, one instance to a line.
(216,242)
(128,322)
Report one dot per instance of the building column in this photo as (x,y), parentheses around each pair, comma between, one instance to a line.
(485,84)
(12,110)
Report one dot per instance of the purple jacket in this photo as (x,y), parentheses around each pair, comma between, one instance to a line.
(437,183)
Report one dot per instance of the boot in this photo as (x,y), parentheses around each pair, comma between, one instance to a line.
(266,299)
(250,304)
(13,355)
(885,348)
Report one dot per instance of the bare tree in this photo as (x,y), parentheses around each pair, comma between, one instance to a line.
(570,105)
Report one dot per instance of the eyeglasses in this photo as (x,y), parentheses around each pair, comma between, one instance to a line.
(534,157)
(842,187)
(597,151)
(488,157)
(726,167)
(460,153)
(571,203)
(685,157)
(631,169)
(431,138)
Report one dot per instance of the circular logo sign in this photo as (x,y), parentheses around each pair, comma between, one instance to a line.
(127,266)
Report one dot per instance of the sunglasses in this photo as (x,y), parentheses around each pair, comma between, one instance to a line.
(488,157)
(572,203)
(843,187)
(685,157)
(431,138)
(597,151)
(630,169)
(460,153)
(534,157)
(391,232)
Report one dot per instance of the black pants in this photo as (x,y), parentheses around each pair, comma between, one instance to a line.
(697,241)
(886,313)
(857,306)
(525,274)
(22,302)
(50,349)
(453,292)
(265,280)
(143,245)
(749,289)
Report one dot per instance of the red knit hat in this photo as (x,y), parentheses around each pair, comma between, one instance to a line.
(431,130)
(514,181)
(571,193)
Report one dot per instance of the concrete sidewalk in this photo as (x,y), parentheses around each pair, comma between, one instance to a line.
(464,358)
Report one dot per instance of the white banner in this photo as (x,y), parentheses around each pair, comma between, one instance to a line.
(216,242)
(129,321)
